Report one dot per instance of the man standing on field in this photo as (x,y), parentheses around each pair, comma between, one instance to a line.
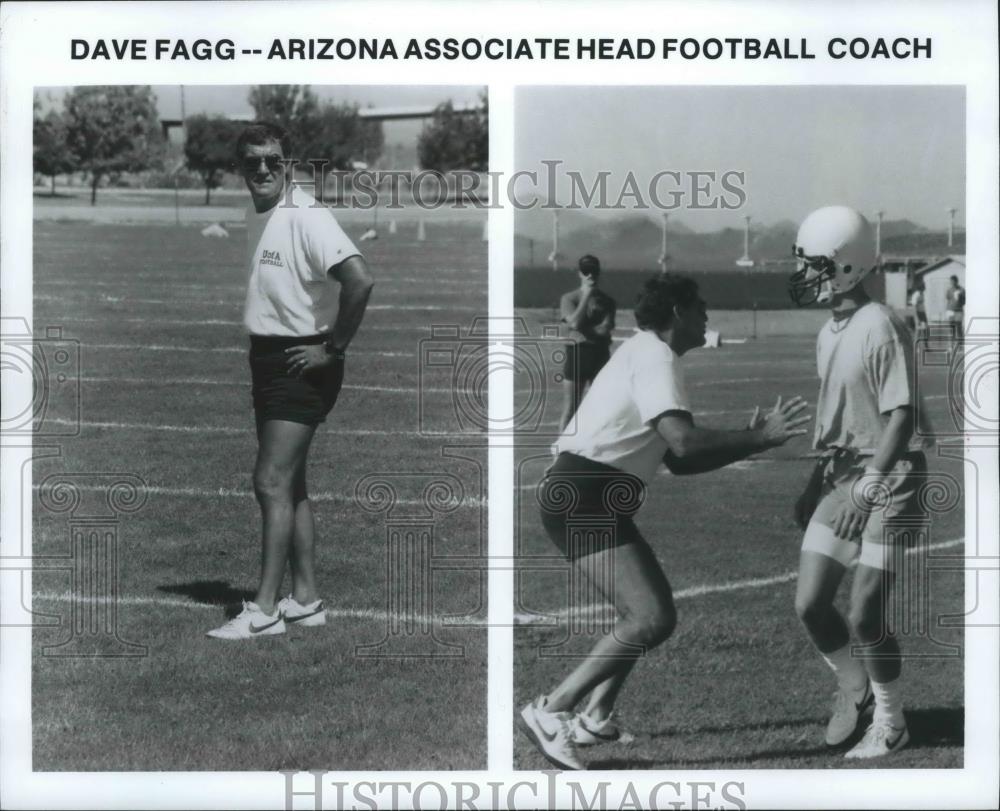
(865,487)
(306,296)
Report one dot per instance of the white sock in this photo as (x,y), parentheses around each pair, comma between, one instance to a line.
(889,702)
(850,673)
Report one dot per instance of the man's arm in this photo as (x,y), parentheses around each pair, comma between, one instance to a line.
(691,449)
(573,311)
(355,289)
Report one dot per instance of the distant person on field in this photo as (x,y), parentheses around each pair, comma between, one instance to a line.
(918,304)
(590,314)
(636,417)
(307,291)
(954,298)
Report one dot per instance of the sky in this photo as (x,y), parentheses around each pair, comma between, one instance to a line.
(900,149)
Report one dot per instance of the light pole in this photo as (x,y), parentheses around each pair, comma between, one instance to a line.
(878,235)
(554,256)
(663,244)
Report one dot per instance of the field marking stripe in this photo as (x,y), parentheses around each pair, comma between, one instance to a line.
(228,349)
(225,492)
(211,322)
(204,381)
(332,613)
(385,616)
(223,429)
(241,285)
(222,303)
(707,588)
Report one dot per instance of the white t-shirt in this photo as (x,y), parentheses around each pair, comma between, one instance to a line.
(643,379)
(290,250)
(865,367)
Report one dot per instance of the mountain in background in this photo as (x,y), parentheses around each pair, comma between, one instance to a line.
(633,241)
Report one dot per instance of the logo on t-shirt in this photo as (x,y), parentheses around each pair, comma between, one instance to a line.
(271,258)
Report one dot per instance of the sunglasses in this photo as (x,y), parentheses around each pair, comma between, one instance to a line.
(252,164)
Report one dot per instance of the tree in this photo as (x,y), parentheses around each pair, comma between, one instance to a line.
(295,107)
(51,153)
(208,148)
(456,140)
(112,129)
(319,131)
(342,138)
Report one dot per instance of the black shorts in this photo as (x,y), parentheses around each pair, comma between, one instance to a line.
(587,506)
(281,395)
(584,360)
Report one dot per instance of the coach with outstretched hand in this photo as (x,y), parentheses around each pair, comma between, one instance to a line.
(306,296)
(636,416)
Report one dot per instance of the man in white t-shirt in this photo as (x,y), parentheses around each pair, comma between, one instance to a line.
(635,417)
(864,492)
(307,291)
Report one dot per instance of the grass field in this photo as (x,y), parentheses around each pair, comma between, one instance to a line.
(165,397)
(738,685)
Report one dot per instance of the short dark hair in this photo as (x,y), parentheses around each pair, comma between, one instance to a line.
(654,306)
(589,265)
(955,279)
(260,133)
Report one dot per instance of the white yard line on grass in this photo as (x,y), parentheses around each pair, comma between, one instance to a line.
(519,618)
(240,349)
(203,381)
(222,429)
(230,302)
(228,492)
(241,285)
(700,591)
(209,322)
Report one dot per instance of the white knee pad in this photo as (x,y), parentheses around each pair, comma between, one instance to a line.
(822,540)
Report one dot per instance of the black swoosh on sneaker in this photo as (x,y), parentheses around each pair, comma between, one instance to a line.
(255,629)
(891,745)
(526,728)
(298,617)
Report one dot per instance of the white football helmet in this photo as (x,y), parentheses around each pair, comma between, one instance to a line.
(835,250)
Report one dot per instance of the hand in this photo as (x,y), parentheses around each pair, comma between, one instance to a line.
(587,285)
(850,521)
(783,421)
(303,359)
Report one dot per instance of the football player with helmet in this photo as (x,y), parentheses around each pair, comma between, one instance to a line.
(865,484)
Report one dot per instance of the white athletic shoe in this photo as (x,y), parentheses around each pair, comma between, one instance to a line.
(308,616)
(881,738)
(848,705)
(588,732)
(552,733)
(251,622)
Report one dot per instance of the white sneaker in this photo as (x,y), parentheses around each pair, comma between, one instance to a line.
(552,733)
(848,705)
(249,623)
(588,732)
(881,738)
(295,613)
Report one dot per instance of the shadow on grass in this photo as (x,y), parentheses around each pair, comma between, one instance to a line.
(929,728)
(57,196)
(211,592)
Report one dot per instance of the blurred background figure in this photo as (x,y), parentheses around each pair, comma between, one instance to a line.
(918,305)
(590,314)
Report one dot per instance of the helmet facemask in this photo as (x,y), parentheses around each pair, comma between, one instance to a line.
(812,282)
